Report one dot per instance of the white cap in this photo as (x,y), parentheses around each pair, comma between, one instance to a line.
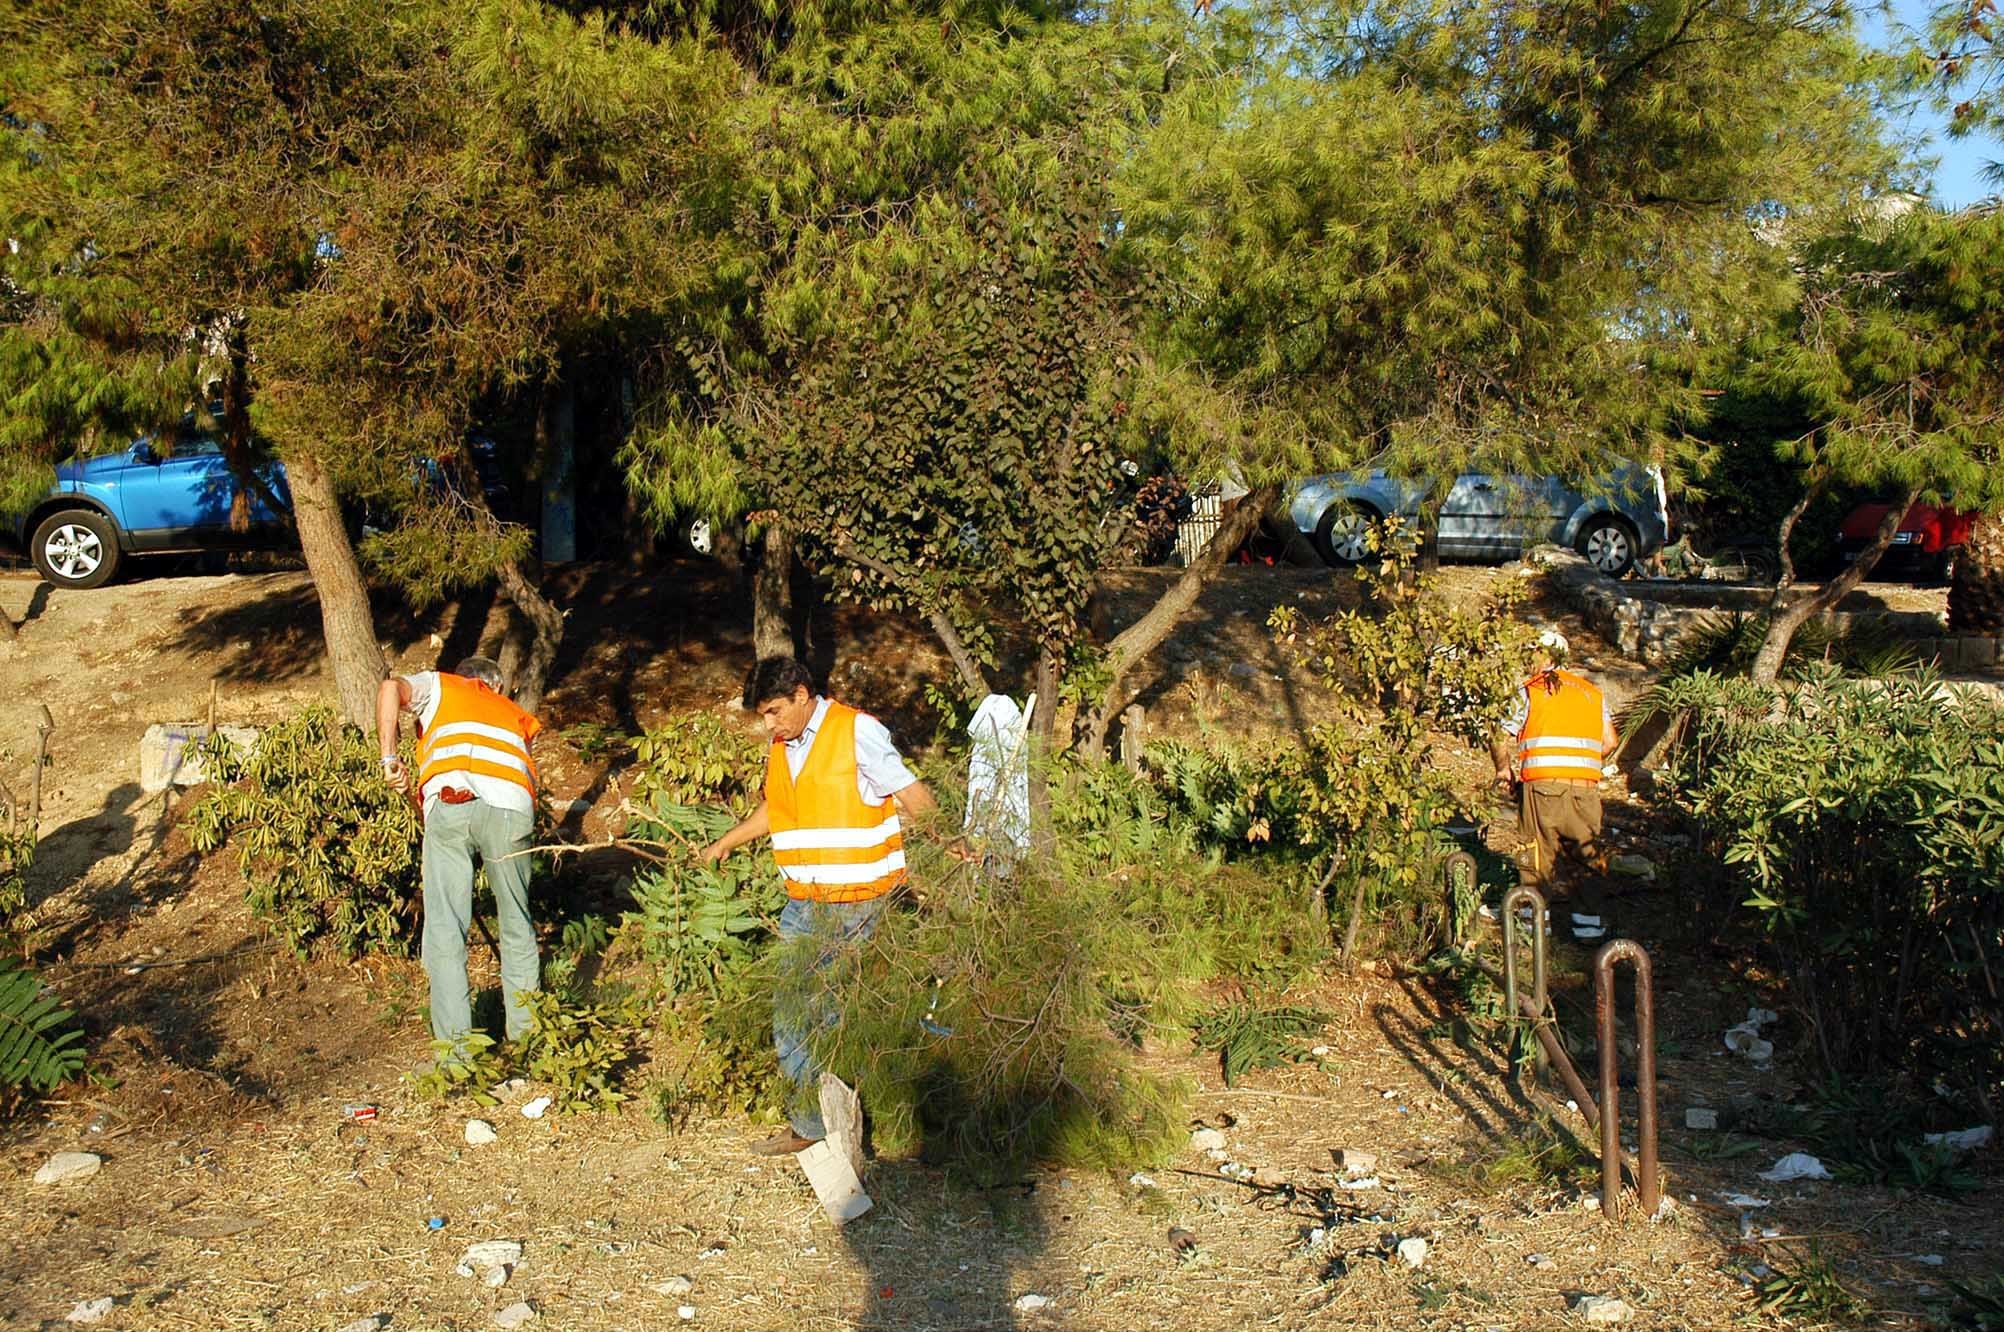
(1554,642)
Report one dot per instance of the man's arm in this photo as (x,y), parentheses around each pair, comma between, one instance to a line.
(754,826)
(915,801)
(393,697)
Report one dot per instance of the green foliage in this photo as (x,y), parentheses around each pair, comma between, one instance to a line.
(732,1067)
(696,758)
(1870,1134)
(694,923)
(580,1048)
(470,1066)
(330,853)
(40,1047)
(1982,1303)
(595,740)
(1249,1035)
(1863,821)
(1809,1289)
(17,854)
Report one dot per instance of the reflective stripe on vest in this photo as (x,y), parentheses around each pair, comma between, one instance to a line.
(831,845)
(1561,740)
(476,730)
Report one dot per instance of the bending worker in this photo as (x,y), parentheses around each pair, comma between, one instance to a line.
(477,790)
(835,787)
(1562,735)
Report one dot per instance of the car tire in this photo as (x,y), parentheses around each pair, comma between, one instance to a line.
(1608,544)
(75,548)
(1342,536)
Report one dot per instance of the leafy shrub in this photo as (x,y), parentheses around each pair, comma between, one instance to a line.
(580,1047)
(470,1066)
(17,853)
(697,758)
(40,1049)
(731,1066)
(329,852)
(692,922)
(1249,1035)
(1864,821)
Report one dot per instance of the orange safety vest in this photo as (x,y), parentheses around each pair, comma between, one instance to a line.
(476,730)
(831,845)
(1561,739)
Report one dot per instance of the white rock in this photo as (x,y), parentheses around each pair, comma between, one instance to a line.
(675,1285)
(491,1253)
(515,1315)
(537,1108)
(90,1311)
(1208,1140)
(1542,1262)
(69,1168)
(373,1323)
(1367,1182)
(1796,1165)
(685,1312)
(479,1133)
(1699,1117)
(1032,1303)
(1601,1309)
(1412,1252)
(1141,1181)
(497,1277)
(462,1270)
(1319,1051)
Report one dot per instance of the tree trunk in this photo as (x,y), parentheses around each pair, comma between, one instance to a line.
(1146,634)
(1783,623)
(237,442)
(546,621)
(1819,480)
(1429,524)
(346,621)
(1976,592)
(775,630)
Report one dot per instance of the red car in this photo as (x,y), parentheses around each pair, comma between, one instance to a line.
(1925,546)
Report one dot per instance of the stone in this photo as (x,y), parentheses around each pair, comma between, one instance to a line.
(170,753)
(1601,1309)
(1543,1262)
(1412,1252)
(69,1168)
(685,1312)
(515,1315)
(497,1276)
(1208,1140)
(675,1285)
(1700,1117)
(491,1253)
(1351,1161)
(1031,1303)
(371,1323)
(479,1133)
(537,1108)
(90,1311)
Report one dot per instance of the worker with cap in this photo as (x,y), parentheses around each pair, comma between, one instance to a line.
(1560,736)
(476,788)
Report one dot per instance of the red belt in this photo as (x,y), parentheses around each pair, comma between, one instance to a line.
(454,795)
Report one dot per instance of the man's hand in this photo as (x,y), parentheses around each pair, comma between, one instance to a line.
(396,774)
(1504,780)
(714,853)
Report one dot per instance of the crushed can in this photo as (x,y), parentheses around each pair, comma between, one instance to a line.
(362,1112)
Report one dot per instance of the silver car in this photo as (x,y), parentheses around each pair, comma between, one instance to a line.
(1613,520)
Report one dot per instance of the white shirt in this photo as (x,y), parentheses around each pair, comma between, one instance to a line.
(495,791)
(880,772)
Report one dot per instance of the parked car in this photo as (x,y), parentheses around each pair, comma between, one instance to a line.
(142,502)
(1613,521)
(1929,538)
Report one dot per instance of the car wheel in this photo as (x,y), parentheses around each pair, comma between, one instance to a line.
(76,548)
(699,537)
(1608,545)
(1344,534)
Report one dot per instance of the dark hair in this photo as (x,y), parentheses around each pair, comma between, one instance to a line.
(776,677)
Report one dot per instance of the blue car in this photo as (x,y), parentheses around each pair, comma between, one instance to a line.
(140,501)
(1613,521)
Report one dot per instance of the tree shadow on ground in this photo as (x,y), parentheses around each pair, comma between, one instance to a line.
(275,629)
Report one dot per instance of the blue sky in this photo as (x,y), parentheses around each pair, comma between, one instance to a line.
(1958,176)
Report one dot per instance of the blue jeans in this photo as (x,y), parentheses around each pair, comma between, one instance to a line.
(453,836)
(838,923)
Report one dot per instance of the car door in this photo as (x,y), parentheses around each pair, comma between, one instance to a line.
(171,502)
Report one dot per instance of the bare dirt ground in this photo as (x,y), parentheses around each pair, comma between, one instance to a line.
(236,1195)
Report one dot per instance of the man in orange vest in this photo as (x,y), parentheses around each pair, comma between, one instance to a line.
(476,786)
(1561,735)
(835,791)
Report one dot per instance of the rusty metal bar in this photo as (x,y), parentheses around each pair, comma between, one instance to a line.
(1548,1041)
(1646,1182)
(1524,895)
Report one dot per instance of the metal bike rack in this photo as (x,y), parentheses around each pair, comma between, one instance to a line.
(1524,895)
(1647,1185)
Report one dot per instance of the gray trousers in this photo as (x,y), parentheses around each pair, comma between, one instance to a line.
(453,835)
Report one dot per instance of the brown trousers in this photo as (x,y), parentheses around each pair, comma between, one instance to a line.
(1555,819)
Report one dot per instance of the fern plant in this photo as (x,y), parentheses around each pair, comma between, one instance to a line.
(39,1047)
